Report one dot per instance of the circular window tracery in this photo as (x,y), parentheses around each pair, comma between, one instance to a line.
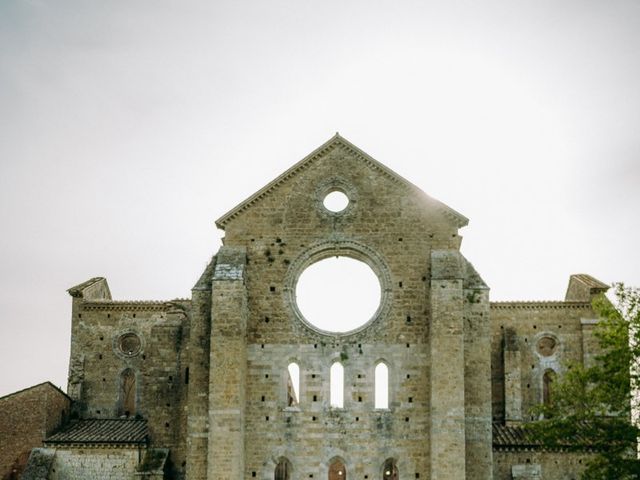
(344,314)
(129,344)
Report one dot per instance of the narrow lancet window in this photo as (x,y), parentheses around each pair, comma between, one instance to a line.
(337,471)
(127,400)
(293,384)
(336,385)
(283,470)
(381,386)
(547,386)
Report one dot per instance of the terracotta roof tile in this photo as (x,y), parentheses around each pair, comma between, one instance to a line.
(114,430)
(518,438)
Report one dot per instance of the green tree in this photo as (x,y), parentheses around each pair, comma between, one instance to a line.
(596,405)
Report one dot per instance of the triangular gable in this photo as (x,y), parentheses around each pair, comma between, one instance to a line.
(459,219)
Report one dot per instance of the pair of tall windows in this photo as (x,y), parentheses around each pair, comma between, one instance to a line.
(336,385)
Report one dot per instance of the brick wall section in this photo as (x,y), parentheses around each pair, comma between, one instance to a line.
(26,417)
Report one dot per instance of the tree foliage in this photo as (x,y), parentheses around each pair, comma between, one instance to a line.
(596,405)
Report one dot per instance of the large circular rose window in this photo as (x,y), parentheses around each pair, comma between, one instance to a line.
(338,294)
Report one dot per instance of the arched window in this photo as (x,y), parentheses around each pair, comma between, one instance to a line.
(127,400)
(336,385)
(390,470)
(293,384)
(283,470)
(337,471)
(381,385)
(547,386)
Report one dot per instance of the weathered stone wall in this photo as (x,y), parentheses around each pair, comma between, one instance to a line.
(26,417)
(553,465)
(517,329)
(477,339)
(158,363)
(211,373)
(95,463)
(392,227)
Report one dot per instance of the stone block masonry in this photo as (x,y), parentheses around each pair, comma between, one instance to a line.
(210,376)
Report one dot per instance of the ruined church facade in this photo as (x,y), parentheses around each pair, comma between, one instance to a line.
(200,388)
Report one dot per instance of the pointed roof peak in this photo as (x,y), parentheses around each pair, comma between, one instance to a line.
(336,140)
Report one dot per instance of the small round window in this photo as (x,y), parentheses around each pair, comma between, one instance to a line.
(336,201)
(546,346)
(129,344)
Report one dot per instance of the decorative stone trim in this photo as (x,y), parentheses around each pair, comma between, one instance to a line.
(337,142)
(339,247)
(540,305)
(121,336)
(335,184)
(136,305)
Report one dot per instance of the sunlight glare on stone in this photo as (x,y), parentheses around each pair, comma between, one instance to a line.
(338,294)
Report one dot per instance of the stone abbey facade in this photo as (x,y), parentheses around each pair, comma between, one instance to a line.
(201,388)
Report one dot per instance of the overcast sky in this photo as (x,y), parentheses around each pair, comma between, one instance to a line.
(128,127)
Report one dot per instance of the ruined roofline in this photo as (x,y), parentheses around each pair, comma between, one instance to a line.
(47,382)
(590,281)
(76,290)
(334,141)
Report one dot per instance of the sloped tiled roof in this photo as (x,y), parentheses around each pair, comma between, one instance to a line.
(95,431)
(508,437)
(518,438)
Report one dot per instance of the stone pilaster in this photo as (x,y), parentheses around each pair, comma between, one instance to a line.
(447,396)
(198,389)
(512,379)
(477,388)
(228,366)
(590,344)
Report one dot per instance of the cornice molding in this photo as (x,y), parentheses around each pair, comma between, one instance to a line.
(536,305)
(334,143)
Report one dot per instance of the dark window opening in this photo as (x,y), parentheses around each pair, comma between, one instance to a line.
(547,386)
(127,400)
(283,470)
(390,470)
(337,470)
